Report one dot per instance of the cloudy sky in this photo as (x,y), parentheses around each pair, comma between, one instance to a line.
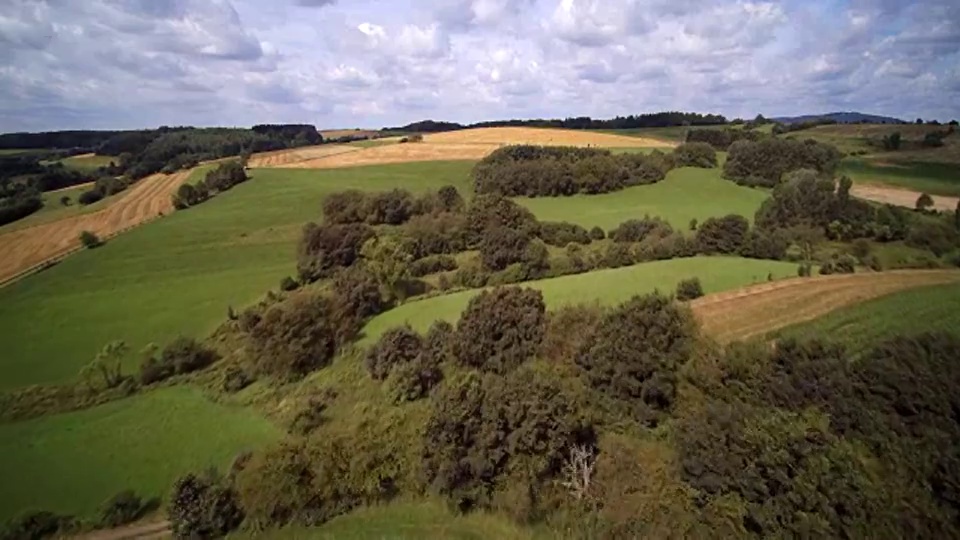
(68,64)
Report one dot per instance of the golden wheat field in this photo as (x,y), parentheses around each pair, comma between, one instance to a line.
(146,200)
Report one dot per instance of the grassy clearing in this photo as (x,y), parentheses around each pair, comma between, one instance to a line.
(72,462)
(87,163)
(685,194)
(932,178)
(926,309)
(407,520)
(178,274)
(608,287)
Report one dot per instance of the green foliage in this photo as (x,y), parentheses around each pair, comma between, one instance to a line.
(935,236)
(723,235)
(550,171)
(501,247)
(486,429)
(596,233)
(695,154)
(689,289)
(203,506)
(561,233)
(124,507)
(288,284)
(765,162)
(924,202)
(357,292)
(388,259)
(636,230)
(396,347)
(720,139)
(107,367)
(37,524)
(892,141)
(325,248)
(413,380)
(90,240)
(500,329)
(19,206)
(640,379)
(488,212)
(432,264)
(300,335)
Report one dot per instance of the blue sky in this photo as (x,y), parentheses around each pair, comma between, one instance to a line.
(67,64)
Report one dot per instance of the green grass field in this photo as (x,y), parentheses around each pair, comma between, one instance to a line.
(933,178)
(178,275)
(687,193)
(72,462)
(87,163)
(406,521)
(609,286)
(934,308)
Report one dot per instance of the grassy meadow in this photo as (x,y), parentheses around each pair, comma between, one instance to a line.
(687,193)
(178,275)
(926,309)
(72,462)
(932,178)
(608,287)
(87,163)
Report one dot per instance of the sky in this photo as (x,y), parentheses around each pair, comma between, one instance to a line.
(120,64)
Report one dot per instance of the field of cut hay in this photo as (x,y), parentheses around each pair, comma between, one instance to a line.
(294,156)
(399,153)
(764,308)
(29,247)
(545,137)
(338,133)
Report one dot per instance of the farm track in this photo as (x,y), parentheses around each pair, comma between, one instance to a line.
(760,309)
(29,248)
(900,196)
(138,531)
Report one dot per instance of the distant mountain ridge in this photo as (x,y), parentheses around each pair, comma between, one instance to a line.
(840,118)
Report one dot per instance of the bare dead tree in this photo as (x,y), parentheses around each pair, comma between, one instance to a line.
(578,471)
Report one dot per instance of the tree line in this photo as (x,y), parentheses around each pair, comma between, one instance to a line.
(650,120)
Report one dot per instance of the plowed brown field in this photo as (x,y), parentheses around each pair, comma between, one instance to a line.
(286,158)
(26,248)
(761,309)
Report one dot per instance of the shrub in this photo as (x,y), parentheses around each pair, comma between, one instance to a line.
(689,289)
(187,354)
(325,248)
(936,237)
(438,343)
(693,224)
(924,202)
(432,264)
(289,284)
(471,276)
(488,212)
(804,270)
(770,244)
(89,197)
(723,235)
(597,233)
(309,415)
(154,370)
(720,139)
(396,346)
(38,524)
(567,329)
(827,268)
(860,248)
(502,247)
(561,233)
(641,378)
(300,335)
(235,379)
(90,240)
(345,207)
(484,429)
(845,264)
(500,329)
(124,507)
(766,161)
(414,380)
(635,230)
(203,507)
(695,154)
(390,207)
(434,234)
(357,292)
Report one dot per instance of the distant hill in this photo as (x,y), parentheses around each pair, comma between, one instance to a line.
(840,118)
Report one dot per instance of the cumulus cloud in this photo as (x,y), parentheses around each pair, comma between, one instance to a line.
(135,63)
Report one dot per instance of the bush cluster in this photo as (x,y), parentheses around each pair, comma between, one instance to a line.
(203,506)
(695,154)
(388,207)
(561,233)
(223,178)
(180,356)
(545,171)
(325,248)
(432,264)
(721,139)
(766,161)
(689,289)
(500,329)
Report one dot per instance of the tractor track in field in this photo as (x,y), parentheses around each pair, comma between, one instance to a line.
(26,250)
(136,531)
(760,309)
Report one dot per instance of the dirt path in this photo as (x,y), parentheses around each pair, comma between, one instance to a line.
(900,196)
(25,249)
(138,531)
(761,309)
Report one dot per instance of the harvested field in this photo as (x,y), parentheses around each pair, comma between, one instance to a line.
(900,197)
(760,309)
(26,248)
(293,156)
(547,137)
(399,153)
(338,133)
